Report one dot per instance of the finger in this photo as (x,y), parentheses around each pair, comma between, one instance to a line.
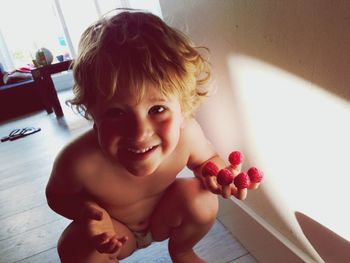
(233,190)
(123,239)
(120,242)
(225,178)
(236,160)
(255,176)
(111,244)
(241,194)
(209,172)
(109,247)
(235,169)
(226,191)
(100,239)
(242,182)
(254,186)
(211,184)
(114,253)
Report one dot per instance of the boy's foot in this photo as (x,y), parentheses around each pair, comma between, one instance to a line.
(187,257)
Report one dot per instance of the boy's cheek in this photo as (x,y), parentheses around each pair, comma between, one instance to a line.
(107,128)
(108,143)
(168,125)
(108,134)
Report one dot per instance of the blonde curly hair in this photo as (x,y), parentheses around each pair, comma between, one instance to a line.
(133,50)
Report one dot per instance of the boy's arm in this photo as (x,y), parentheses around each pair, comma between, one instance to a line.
(201,152)
(66,196)
(64,192)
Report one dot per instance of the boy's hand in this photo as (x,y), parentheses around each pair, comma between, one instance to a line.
(220,181)
(101,231)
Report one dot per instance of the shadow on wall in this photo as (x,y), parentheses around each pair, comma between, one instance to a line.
(331,247)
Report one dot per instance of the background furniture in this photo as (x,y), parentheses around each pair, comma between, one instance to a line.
(45,85)
(18,99)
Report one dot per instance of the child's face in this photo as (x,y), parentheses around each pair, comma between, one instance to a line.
(139,135)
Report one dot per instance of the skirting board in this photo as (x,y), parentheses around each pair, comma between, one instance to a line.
(264,242)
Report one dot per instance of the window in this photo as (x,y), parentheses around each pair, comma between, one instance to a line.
(26,26)
(26,29)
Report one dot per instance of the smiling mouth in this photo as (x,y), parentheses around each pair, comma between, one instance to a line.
(141,151)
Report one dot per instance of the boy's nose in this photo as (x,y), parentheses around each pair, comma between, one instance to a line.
(142,130)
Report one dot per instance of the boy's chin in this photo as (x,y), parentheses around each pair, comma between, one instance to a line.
(141,171)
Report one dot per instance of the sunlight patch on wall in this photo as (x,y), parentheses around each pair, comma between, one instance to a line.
(300,133)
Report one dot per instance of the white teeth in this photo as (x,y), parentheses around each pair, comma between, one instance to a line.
(138,151)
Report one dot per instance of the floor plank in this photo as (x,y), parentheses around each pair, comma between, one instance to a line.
(26,221)
(47,256)
(31,242)
(245,259)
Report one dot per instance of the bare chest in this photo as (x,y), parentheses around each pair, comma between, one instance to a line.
(126,197)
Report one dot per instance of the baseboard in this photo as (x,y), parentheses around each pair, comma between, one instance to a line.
(264,242)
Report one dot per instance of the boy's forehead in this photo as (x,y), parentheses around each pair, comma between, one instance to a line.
(150,94)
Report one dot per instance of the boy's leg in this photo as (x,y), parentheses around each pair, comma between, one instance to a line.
(74,245)
(185,214)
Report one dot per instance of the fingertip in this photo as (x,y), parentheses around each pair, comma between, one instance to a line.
(117,246)
(224,195)
(242,194)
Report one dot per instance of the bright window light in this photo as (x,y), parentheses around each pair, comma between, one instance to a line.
(26,26)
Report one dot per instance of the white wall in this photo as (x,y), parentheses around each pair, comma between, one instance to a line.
(282,72)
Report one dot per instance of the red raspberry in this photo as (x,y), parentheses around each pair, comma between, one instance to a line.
(242,181)
(225,177)
(255,175)
(235,158)
(210,169)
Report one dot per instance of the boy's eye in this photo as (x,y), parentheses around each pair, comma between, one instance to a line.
(156,110)
(114,113)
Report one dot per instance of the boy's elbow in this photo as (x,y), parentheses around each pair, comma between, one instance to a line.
(49,198)
(52,198)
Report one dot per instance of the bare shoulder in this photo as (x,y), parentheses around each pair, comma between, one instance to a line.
(76,149)
(200,148)
(65,167)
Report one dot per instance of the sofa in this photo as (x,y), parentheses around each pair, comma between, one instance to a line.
(18,99)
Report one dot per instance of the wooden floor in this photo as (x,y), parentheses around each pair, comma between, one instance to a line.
(29,230)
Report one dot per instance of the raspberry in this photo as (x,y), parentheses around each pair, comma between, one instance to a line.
(235,158)
(255,175)
(210,169)
(224,177)
(242,181)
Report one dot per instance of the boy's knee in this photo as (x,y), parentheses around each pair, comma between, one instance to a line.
(199,205)
(71,244)
(204,210)
(64,245)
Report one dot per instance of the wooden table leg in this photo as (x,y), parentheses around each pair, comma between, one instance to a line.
(43,92)
(53,95)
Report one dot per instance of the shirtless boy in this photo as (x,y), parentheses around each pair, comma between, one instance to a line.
(140,81)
